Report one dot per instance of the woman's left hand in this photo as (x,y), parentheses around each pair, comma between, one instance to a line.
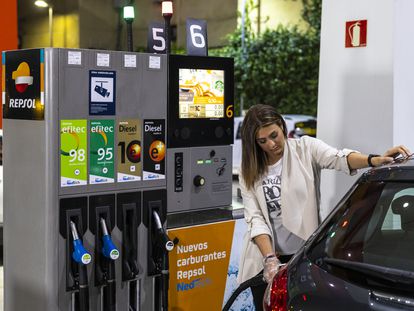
(390,155)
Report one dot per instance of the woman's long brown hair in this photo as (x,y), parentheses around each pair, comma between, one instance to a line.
(254,160)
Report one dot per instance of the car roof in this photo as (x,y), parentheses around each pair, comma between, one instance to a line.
(400,170)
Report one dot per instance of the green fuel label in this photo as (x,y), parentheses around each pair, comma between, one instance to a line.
(73,153)
(129,150)
(101,151)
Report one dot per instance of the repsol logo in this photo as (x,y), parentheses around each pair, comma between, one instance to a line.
(29,103)
(152,128)
(183,286)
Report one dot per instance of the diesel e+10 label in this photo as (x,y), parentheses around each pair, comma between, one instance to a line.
(129,150)
(73,153)
(154,150)
(101,151)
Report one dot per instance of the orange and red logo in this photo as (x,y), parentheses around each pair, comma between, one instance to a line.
(22,77)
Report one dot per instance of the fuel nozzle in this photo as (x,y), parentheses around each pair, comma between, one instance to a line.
(80,254)
(109,249)
(164,239)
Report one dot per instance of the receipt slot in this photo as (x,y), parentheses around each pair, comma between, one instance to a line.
(102,223)
(73,225)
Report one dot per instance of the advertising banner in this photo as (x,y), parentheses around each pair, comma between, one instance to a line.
(73,153)
(129,150)
(154,149)
(101,154)
(199,266)
(23,84)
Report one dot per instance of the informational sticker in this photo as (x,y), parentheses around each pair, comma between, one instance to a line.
(154,149)
(102,87)
(23,84)
(154,62)
(102,59)
(101,151)
(129,150)
(73,153)
(74,58)
(130,61)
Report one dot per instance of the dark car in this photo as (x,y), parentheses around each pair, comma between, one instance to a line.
(362,256)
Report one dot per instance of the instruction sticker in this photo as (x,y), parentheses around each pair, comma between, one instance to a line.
(102,87)
(154,149)
(129,150)
(101,151)
(73,153)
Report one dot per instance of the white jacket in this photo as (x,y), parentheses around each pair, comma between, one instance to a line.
(303,160)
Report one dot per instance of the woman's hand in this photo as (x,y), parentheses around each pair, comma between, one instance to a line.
(271,267)
(390,155)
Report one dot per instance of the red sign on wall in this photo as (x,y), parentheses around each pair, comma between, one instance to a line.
(356,34)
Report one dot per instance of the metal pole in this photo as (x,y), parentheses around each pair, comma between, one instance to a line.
(50,26)
(167,20)
(129,37)
(243,44)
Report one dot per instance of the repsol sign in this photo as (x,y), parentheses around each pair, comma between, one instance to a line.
(29,103)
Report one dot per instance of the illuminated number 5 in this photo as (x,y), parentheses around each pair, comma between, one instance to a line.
(197,35)
(229,111)
(157,37)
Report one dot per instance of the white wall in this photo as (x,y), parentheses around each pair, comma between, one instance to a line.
(355,107)
(404,73)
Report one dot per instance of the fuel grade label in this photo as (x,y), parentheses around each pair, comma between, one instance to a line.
(101,151)
(129,150)
(73,153)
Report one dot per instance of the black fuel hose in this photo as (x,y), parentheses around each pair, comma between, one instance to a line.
(109,292)
(83,295)
(254,281)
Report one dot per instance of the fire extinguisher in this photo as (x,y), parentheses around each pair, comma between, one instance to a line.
(355,34)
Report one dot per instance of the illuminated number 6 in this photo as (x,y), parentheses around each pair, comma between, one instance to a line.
(195,35)
(156,37)
(229,111)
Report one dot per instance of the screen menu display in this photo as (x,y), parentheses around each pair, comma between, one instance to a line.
(201,93)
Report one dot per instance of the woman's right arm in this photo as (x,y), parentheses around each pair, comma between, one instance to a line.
(259,230)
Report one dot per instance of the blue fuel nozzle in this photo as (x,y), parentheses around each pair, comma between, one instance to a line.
(109,249)
(80,255)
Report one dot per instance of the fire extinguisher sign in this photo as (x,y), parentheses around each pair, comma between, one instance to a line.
(356,34)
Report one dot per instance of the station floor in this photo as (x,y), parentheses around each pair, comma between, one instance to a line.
(236,203)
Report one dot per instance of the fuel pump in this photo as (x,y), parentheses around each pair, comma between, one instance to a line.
(81,258)
(106,269)
(163,246)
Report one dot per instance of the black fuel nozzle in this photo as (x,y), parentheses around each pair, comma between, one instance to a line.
(164,241)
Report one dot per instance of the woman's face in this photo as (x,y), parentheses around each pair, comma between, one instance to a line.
(272,141)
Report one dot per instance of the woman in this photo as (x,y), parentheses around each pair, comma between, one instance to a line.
(280,181)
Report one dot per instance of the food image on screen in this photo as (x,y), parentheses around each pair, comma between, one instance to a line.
(201,93)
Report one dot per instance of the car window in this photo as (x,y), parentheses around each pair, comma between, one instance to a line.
(238,133)
(374,225)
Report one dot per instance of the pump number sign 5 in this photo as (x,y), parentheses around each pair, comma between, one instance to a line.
(73,153)
(101,154)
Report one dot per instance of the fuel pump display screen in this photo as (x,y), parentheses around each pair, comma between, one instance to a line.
(201,93)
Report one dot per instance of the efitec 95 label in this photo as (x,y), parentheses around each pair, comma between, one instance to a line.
(73,153)
(101,151)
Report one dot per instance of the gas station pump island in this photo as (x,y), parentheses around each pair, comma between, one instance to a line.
(101,148)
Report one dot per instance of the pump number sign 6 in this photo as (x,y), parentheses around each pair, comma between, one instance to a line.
(73,153)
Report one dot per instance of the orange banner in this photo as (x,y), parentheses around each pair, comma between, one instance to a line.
(198,266)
